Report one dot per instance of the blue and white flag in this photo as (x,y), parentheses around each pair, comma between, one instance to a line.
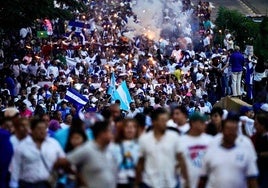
(112,87)
(74,97)
(122,94)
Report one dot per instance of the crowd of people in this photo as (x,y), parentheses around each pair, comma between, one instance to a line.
(173,81)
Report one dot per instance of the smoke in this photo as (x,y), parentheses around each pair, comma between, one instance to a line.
(158,19)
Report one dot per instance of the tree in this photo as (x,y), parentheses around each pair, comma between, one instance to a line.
(261,44)
(243,28)
(246,31)
(15,14)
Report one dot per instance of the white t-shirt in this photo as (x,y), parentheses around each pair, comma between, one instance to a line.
(228,167)
(249,125)
(194,149)
(183,129)
(131,114)
(160,159)
(53,70)
(177,55)
(241,140)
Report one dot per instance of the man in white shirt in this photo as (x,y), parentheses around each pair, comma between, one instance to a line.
(21,127)
(194,145)
(229,164)
(34,158)
(133,110)
(179,120)
(159,155)
(53,69)
(176,54)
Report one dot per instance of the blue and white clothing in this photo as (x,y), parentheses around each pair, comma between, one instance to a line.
(127,155)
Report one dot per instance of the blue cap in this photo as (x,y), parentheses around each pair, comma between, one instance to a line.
(245,109)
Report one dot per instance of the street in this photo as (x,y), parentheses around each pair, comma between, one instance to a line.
(247,7)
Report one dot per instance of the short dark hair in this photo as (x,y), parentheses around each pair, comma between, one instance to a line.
(233,117)
(217,110)
(35,122)
(141,119)
(148,110)
(183,110)
(157,112)
(262,118)
(99,127)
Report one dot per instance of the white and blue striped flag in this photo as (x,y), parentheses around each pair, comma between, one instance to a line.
(122,94)
(74,97)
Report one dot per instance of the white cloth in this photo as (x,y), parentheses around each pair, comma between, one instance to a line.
(53,70)
(27,164)
(204,109)
(228,167)
(249,125)
(131,114)
(177,55)
(241,140)
(160,159)
(183,129)
(194,149)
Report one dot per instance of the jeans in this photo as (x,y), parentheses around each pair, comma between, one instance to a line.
(226,90)
(236,83)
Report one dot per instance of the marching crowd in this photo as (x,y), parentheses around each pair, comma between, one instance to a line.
(169,136)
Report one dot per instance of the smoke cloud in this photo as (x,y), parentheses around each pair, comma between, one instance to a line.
(158,19)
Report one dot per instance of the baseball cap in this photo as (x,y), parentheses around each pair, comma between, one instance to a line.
(197,116)
(245,109)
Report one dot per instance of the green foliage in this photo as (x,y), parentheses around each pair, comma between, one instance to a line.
(15,14)
(246,31)
(262,41)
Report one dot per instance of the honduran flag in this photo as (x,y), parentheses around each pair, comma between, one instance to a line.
(77,99)
(122,94)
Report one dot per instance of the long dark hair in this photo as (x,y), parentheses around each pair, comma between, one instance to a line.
(76,128)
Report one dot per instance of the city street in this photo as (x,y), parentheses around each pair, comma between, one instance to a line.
(247,7)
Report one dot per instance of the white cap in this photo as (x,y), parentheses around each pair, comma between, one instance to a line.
(264,107)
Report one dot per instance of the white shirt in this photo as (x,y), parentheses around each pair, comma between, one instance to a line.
(185,69)
(132,114)
(241,140)
(183,129)
(194,149)
(27,164)
(228,167)
(14,141)
(53,70)
(176,54)
(160,159)
(23,68)
(204,109)
(206,41)
(249,125)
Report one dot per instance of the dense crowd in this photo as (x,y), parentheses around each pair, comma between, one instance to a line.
(173,81)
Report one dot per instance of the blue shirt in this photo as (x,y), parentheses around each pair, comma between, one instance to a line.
(62,136)
(6,151)
(237,62)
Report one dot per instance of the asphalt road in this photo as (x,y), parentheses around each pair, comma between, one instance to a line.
(260,5)
(247,7)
